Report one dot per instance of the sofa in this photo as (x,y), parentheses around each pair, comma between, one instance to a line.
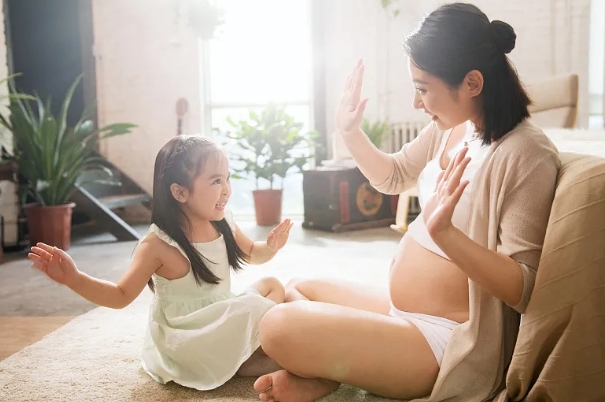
(560,350)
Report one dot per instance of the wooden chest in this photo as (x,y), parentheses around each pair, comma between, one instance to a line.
(340,199)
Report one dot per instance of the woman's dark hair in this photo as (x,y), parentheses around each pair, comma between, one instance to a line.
(180,161)
(458,38)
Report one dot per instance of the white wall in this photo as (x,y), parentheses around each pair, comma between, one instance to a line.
(597,55)
(552,38)
(145,61)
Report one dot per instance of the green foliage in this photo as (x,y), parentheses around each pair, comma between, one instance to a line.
(376,131)
(268,145)
(387,5)
(50,155)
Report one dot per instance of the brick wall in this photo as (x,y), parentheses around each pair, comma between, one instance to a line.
(145,61)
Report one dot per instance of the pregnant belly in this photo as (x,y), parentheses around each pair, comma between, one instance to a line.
(424,282)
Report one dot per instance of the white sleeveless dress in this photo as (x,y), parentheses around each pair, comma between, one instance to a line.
(198,336)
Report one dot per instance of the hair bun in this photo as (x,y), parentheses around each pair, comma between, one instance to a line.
(504,36)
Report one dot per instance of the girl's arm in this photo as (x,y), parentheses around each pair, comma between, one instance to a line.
(60,267)
(260,252)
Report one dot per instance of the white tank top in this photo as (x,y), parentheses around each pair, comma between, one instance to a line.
(427,181)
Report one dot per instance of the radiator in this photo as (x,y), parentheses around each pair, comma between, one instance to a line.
(402,133)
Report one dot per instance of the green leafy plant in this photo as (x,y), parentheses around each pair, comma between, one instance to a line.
(51,156)
(387,5)
(268,145)
(376,131)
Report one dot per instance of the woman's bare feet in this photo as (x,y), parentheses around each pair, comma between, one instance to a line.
(282,386)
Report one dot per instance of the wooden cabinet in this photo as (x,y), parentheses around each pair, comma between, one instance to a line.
(340,199)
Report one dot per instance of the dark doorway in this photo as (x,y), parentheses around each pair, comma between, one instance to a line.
(50,44)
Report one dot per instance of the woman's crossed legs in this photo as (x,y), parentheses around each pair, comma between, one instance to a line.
(345,336)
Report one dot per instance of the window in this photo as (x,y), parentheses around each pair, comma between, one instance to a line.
(261,54)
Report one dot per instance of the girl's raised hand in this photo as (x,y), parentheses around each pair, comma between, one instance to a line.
(278,237)
(54,262)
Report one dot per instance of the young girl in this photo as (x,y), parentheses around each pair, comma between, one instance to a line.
(199,334)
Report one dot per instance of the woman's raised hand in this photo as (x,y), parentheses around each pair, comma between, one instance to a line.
(351,107)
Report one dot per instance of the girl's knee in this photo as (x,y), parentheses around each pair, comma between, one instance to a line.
(267,284)
(272,282)
(271,288)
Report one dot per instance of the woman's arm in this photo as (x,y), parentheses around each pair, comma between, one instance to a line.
(497,274)
(375,164)
(508,273)
(388,173)
(59,266)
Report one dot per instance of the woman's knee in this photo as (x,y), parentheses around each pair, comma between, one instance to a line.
(297,287)
(278,328)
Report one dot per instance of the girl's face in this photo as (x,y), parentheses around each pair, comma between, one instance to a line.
(447,107)
(209,192)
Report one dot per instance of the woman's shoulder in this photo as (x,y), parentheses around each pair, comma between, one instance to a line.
(527,143)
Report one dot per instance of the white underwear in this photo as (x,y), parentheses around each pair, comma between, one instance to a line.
(436,330)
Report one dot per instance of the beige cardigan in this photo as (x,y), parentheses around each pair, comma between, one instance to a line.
(512,196)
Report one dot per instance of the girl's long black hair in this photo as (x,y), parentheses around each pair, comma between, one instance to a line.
(180,161)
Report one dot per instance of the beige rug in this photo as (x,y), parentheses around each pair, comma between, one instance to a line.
(95,357)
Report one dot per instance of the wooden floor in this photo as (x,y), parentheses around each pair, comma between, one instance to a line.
(19,332)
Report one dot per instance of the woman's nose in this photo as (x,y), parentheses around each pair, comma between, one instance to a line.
(417,102)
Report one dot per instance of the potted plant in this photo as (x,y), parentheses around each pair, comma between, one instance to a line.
(201,16)
(268,146)
(376,131)
(51,158)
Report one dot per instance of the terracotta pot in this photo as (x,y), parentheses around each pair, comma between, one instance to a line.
(50,225)
(267,205)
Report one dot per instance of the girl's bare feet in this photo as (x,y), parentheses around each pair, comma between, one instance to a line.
(282,386)
(258,364)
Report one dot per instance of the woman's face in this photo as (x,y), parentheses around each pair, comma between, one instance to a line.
(447,107)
